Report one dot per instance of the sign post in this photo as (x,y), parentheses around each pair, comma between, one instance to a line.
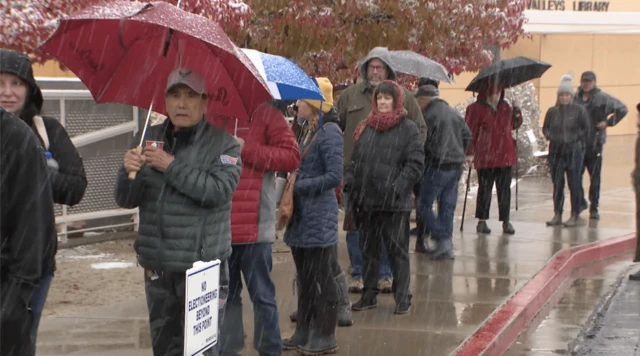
(201,307)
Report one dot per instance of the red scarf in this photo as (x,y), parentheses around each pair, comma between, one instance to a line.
(383,121)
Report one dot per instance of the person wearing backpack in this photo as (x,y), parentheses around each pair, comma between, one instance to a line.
(21,96)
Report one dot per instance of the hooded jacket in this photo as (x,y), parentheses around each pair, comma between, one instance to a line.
(27,221)
(270,146)
(385,166)
(69,182)
(601,107)
(355,102)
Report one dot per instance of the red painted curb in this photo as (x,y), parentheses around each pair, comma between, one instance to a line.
(504,326)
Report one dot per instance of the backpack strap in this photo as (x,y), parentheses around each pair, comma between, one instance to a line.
(42,131)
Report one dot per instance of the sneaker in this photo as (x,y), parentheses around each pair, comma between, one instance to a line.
(385,285)
(482,228)
(364,304)
(507,228)
(355,285)
(594,215)
(402,308)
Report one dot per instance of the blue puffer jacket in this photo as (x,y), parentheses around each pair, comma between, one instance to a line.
(315,218)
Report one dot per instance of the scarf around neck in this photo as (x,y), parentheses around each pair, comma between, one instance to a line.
(383,121)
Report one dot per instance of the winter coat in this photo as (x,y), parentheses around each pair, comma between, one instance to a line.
(600,106)
(270,146)
(566,127)
(384,168)
(448,136)
(27,221)
(315,217)
(354,104)
(492,144)
(69,182)
(185,211)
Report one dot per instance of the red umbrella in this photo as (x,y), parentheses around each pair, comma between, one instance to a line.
(124,51)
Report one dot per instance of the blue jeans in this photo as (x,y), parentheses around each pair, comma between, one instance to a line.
(254,262)
(569,163)
(38,299)
(355,254)
(440,185)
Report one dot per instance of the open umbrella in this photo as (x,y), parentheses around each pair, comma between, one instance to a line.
(286,81)
(412,63)
(508,73)
(124,51)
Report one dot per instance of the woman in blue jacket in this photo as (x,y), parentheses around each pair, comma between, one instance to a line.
(313,231)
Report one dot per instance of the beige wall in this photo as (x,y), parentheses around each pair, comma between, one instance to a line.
(51,69)
(614,58)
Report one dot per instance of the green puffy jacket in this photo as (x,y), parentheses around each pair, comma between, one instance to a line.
(184,212)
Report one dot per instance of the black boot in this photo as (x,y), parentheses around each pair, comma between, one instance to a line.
(322,340)
(345,317)
(482,228)
(294,316)
(303,325)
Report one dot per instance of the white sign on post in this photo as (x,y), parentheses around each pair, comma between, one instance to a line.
(201,307)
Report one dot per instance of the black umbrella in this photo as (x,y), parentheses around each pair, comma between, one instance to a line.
(508,73)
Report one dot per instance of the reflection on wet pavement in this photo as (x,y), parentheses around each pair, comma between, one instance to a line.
(451,298)
(561,321)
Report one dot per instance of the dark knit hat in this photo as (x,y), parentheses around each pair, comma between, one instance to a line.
(19,64)
(427,90)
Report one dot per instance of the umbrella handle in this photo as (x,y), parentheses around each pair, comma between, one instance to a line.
(132,175)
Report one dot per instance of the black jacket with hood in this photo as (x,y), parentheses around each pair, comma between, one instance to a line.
(69,182)
(27,221)
(601,107)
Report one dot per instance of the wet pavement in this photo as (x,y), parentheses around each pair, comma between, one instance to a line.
(451,298)
(563,319)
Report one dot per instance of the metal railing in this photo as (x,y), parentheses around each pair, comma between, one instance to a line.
(63,220)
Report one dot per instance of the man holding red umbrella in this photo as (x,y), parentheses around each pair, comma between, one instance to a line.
(184,180)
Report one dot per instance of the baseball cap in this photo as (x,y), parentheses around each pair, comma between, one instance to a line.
(588,76)
(429,91)
(187,77)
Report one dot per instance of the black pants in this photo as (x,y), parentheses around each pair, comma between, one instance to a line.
(486,178)
(15,323)
(391,229)
(318,293)
(165,302)
(593,164)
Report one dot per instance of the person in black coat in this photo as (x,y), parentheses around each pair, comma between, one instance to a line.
(388,160)
(27,229)
(448,138)
(566,126)
(21,96)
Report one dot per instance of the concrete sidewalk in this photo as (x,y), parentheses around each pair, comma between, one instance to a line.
(451,300)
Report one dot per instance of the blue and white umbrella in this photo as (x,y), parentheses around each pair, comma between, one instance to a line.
(285,79)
